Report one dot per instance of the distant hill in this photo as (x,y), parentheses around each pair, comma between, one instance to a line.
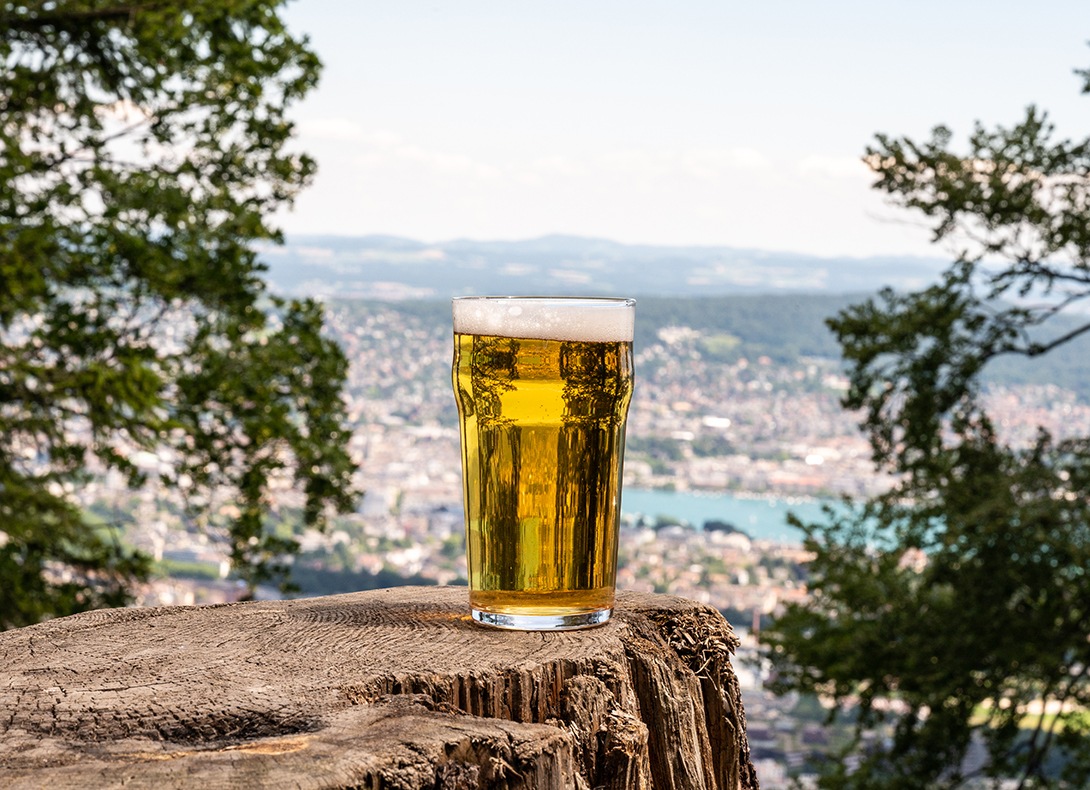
(391,268)
(783,327)
(774,304)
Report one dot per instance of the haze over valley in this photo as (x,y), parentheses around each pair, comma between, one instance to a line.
(388,267)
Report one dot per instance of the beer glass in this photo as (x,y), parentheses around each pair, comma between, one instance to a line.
(543,386)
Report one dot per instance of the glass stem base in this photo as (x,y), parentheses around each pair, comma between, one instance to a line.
(542,622)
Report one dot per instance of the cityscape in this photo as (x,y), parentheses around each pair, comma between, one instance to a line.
(204,204)
(705,419)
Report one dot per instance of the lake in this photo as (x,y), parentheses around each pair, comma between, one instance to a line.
(762,518)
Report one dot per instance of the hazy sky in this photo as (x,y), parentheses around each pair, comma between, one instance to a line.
(697,122)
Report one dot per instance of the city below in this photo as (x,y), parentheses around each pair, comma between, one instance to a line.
(713,414)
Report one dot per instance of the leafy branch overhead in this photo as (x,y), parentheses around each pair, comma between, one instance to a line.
(143,149)
(953,610)
(1014,208)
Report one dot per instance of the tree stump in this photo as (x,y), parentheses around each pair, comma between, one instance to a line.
(391,688)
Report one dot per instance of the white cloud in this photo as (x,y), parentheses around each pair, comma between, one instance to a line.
(702,163)
(569,276)
(635,161)
(383,137)
(713,162)
(432,185)
(558,165)
(388,149)
(846,167)
(447,163)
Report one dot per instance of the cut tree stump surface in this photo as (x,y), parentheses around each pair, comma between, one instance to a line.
(390,688)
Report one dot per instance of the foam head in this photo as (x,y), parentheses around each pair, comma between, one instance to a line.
(587,320)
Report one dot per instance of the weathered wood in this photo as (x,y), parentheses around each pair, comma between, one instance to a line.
(386,689)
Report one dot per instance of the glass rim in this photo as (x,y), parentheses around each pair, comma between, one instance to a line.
(617,301)
(580,318)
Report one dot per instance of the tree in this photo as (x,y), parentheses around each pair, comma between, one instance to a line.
(956,607)
(144,147)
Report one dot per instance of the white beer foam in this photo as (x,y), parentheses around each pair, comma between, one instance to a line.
(585,320)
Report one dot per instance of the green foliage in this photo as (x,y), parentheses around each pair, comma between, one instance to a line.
(712,445)
(142,148)
(656,447)
(961,596)
(182,569)
(781,327)
(721,347)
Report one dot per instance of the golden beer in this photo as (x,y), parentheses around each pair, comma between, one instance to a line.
(543,387)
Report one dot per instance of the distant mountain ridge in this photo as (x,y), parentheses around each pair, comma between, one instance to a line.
(394,268)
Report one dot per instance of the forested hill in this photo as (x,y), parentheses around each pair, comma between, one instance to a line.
(783,327)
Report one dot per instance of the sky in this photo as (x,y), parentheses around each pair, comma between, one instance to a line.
(690,122)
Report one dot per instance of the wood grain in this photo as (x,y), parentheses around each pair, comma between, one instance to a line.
(391,688)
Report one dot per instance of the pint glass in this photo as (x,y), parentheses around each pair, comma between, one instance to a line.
(543,386)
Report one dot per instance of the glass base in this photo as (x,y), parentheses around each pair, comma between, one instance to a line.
(542,622)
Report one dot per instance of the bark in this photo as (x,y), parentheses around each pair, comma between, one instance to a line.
(386,689)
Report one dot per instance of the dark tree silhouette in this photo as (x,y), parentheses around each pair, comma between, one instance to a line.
(956,607)
(143,148)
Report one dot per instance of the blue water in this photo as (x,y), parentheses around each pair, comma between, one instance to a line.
(759,517)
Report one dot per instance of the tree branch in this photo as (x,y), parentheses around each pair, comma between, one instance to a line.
(1037,349)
